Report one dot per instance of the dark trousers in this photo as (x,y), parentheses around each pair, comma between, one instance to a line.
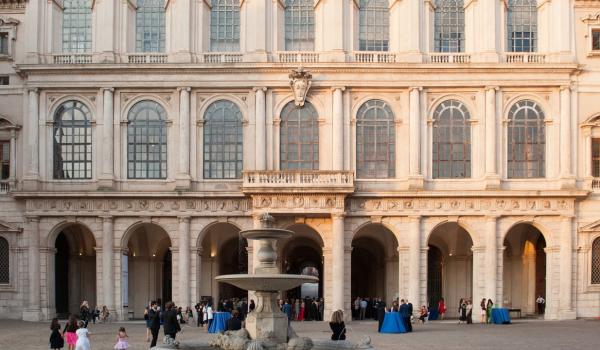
(380,324)
(407,324)
(172,335)
(154,337)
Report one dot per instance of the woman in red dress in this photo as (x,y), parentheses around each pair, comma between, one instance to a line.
(442,308)
(301,313)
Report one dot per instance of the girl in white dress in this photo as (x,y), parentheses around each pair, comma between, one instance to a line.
(83,342)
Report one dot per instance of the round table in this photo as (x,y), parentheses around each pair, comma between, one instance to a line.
(219,322)
(392,323)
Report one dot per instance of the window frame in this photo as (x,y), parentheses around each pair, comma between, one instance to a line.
(287,110)
(82,12)
(594,240)
(8,262)
(303,39)
(73,124)
(225,10)
(450,124)
(152,15)
(533,39)
(445,29)
(373,12)
(387,124)
(10,28)
(543,142)
(3,162)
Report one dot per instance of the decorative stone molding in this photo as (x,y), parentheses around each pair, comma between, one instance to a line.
(298,202)
(300,82)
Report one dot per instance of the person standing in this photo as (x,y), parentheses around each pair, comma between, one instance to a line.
(356,309)
(410,315)
(404,314)
(122,342)
(483,310)
(154,318)
(287,310)
(380,314)
(296,309)
(462,311)
(321,309)
(83,342)
(84,313)
(56,340)
(541,305)
(442,308)
(70,332)
(469,312)
(489,307)
(302,310)
(171,326)
(363,309)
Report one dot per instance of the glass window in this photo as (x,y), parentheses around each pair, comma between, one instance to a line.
(147,141)
(223,141)
(4,80)
(522,25)
(225,25)
(4,261)
(5,159)
(3,43)
(375,141)
(596,40)
(72,141)
(77,26)
(374,30)
(596,261)
(150,26)
(449,26)
(299,25)
(451,149)
(596,157)
(526,141)
(299,148)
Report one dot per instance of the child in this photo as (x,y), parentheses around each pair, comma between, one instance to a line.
(122,343)
(70,332)
(56,340)
(83,343)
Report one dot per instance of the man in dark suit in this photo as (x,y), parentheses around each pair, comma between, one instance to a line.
(404,314)
(154,318)
(410,312)
(234,323)
(380,313)
(287,310)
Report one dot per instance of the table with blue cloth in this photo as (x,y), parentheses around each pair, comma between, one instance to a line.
(392,323)
(500,316)
(433,314)
(219,322)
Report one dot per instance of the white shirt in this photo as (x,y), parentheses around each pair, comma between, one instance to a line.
(363,304)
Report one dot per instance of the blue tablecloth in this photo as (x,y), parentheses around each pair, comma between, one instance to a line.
(219,322)
(500,316)
(392,323)
(433,314)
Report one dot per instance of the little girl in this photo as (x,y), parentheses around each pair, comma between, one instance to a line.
(56,340)
(83,342)
(122,343)
(70,332)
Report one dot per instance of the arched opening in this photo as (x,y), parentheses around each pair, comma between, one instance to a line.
(303,254)
(147,272)
(74,269)
(224,252)
(374,264)
(450,266)
(524,268)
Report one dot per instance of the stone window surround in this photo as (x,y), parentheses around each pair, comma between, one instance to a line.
(11,234)
(9,25)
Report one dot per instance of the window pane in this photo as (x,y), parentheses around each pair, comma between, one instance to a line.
(596,40)
(521,20)
(526,145)
(451,146)
(449,26)
(225,25)
(77,26)
(374,25)
(72,141)
(299,25)
(223,141)
(150,26)
(146,141)
(375,140)
(299,138)
(596,261)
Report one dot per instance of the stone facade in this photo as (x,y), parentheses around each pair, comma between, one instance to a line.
(488,227)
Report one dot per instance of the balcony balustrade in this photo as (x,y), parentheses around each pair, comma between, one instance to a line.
(444,57)
(373,57)
(144,58)
(72,58)
(297,57)
(525,57)
(6,186)
(315,181)
(221,57)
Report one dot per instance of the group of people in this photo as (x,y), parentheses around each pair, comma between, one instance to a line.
(367,308)
(465,310)
(307,309)
(76,335)
(87,314)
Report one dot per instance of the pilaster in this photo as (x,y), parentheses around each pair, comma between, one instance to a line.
(31,129)
(179,19)
(105,22)
(492,178)
(337,138)
(567,236)
(184,262)
(108,271)
(33,311)
(415,175)
(107,177)
(261,134)
(183,180)
(414,261)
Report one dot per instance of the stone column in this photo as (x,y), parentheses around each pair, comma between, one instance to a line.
(108,273)
(183,177)
(415,175)
(566,310)
(491,163)
(13,157)
(261,135)
(337,126)
(565,136)
(414,262)
(587,153)
(33,311)
(184,261)
(199,252)
(491,261)
(479,276)
(33,134)
(337,254)
(107,177)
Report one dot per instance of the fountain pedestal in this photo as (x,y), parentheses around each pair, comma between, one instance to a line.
(267,321)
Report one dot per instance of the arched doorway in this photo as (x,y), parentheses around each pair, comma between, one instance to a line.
(303,254)
(224,252)
(147,272)
(74,269)
(524,273)
(450,266)
(374,264)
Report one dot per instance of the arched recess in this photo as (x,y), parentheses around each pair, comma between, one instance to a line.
(450,266)
(303,254)
(74,269)
(524,272)
(223,252)
(374,263)
(147,268)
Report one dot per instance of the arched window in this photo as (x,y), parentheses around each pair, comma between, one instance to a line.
(374,33)
(451,148)
(299,25)
(77,26)
(223,141)
(147,141)
(596,261)
(225,25)
(375,141)
(449,26)
(526,152)
(521,21)
(4,261)
(299,143)
(72,141)
(150,26)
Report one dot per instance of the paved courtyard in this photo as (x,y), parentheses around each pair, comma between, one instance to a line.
(582,334)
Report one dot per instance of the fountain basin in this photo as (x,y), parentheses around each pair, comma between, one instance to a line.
(267,233)
(266,282)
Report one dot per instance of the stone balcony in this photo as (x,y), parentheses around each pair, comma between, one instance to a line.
(314,181)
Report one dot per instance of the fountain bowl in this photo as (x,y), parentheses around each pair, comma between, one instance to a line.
(266,281)
(267,233)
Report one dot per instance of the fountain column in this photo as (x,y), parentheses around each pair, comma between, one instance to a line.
(337,253)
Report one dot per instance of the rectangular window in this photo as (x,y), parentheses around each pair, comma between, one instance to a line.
(596,157)
(5,159)
(4,80)
(4,43)
(596,40)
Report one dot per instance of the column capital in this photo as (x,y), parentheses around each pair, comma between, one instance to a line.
(492,87)
(567,217)
(333,88)
(565,87)
(106,218)
(413,88)
(184,218)
(338,216)
(478,248)
(32,218)
(109,89)
(414,218)
(259,88)
(32,89)
(184,88)
(492,217)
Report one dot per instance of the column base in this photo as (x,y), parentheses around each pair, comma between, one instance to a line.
(416,182)
(332,56)
(183,183)
(410,57)
(568,182)
(487,57)
(32,315)
(106,184)
(492,182)
(567,314)
(180,57)
(267,322)
(31,184)
(256,56)
(104,57)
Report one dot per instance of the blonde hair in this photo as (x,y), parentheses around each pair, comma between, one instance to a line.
(337,316)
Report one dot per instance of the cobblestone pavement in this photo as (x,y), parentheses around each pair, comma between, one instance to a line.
(581,334)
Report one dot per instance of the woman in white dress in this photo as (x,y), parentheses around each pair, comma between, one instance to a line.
(83,342)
